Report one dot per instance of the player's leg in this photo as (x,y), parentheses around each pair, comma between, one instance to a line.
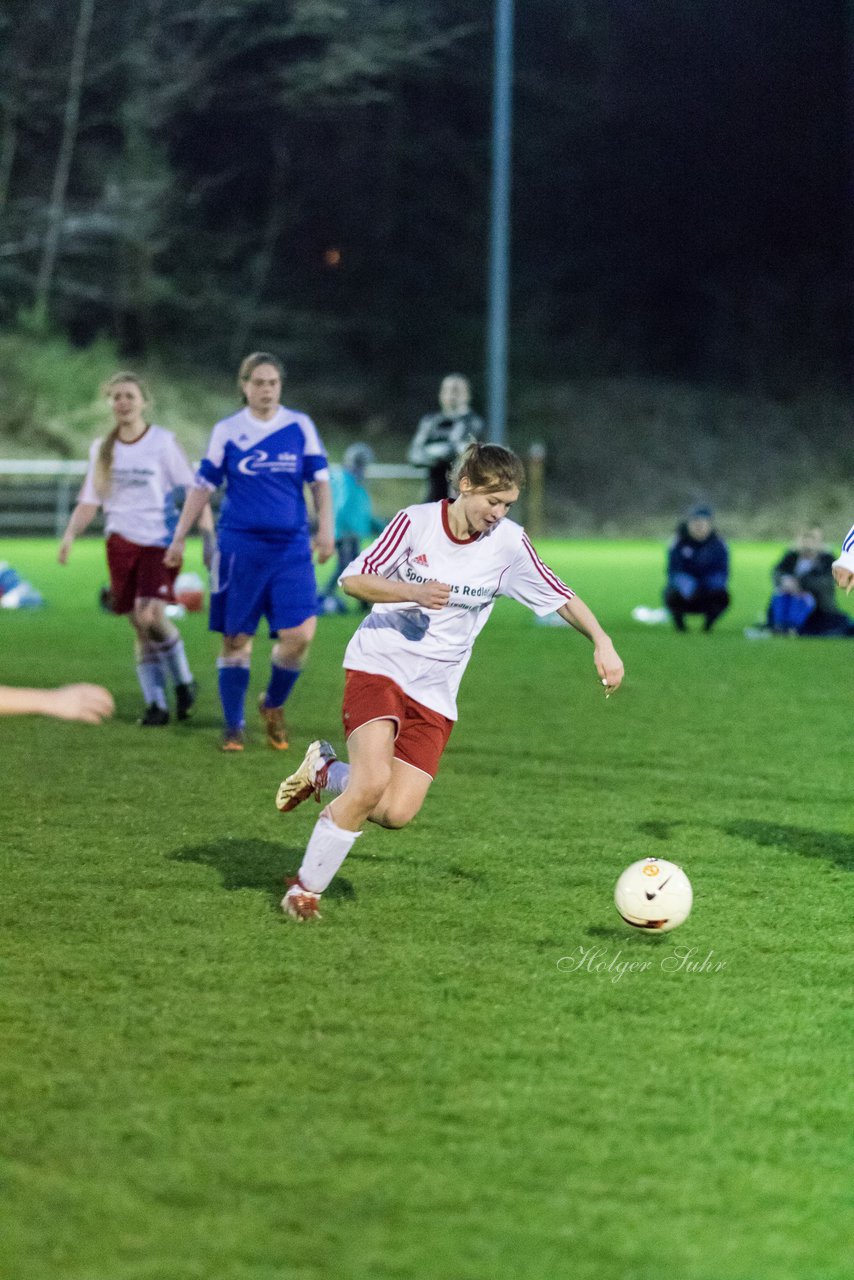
(122,561)
(291,608)
(162,636)
(286,663)
(233,667)
(239,579)
(371,749)
(149,668)
(403,797)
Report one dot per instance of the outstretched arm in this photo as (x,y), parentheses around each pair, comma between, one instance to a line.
(89,703)
(194,504)
(81,517)
(605,656)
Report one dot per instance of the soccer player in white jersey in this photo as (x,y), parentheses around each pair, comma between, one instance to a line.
(843,567)
(136,473)
(264,454)
(432,578)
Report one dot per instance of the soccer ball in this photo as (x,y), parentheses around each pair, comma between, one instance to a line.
(654,895)
(189,590)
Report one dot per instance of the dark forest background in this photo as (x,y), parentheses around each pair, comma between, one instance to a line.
(188,180)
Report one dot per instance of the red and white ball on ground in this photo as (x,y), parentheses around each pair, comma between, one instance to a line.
(189,590)
(654,895)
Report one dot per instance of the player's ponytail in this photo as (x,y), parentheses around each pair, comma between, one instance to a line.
(104,460)
(104,464)
(489,468)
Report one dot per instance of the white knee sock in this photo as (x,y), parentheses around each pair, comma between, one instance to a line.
(174,658)
(327,849)
(149,672)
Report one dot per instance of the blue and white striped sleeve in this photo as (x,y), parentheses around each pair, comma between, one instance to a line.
(846,557)
(211,472)
(315,464)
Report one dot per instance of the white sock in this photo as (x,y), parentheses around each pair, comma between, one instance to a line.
(149,673)
(337,777)
(174,658)
(327,849)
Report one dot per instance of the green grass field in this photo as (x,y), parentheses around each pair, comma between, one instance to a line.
(416,1088)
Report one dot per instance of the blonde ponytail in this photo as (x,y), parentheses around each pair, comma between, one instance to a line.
(104,464)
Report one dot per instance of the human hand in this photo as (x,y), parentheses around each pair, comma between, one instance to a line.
(87,702)
(843,578)
(608,665)
(432,594)
(323,547)
(64,551)
(174,554)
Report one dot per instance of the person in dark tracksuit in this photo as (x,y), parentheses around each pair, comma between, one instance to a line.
(697,570)
(442,437)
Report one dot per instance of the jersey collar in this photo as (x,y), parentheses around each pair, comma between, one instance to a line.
(446,525)
(136,439)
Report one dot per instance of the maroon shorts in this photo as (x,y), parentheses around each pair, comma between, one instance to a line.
(137,573)
(422,734)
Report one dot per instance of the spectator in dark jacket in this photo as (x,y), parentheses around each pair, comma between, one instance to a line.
(804,599)
(697,570)
(442,437)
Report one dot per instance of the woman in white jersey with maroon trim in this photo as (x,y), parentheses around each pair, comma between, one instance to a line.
(133,474)
(843,567)
(432,578)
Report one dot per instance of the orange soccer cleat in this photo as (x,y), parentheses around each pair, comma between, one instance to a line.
(273,719)
(300,903)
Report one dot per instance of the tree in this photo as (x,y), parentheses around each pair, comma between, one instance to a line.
(71,117)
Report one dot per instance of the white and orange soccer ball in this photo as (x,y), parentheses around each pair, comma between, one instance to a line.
(653,895)
(189,590)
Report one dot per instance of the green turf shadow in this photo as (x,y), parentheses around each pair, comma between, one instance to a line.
(253,864)
(802,840)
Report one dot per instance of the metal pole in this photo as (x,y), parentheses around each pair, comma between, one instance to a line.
(499,230)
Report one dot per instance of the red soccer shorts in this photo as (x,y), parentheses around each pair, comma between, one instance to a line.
(137,573)
(422,734)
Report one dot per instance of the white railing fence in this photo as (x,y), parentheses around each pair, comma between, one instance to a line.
(37,495)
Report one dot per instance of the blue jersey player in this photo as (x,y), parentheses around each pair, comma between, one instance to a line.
(264,454)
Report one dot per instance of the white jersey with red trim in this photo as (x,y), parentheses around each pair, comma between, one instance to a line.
(426,651)
(845,559)
(148,476)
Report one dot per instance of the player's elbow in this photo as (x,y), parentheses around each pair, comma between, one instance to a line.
(348,586)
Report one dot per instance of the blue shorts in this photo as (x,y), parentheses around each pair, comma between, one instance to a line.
(255,578)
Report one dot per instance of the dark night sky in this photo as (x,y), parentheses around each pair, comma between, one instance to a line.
(711,158)
(680,188)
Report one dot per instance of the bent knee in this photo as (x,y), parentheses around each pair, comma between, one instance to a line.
(146,617)
(394,816)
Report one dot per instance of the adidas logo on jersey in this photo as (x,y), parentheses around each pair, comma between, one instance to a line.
(420,560)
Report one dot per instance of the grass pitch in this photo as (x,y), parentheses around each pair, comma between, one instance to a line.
(454,1076)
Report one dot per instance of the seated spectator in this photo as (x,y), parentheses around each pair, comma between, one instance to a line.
(804,599)
(442,437)
(697,570)
(355,521)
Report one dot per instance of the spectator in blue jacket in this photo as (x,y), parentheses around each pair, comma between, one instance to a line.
(697,570)
(355,521)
